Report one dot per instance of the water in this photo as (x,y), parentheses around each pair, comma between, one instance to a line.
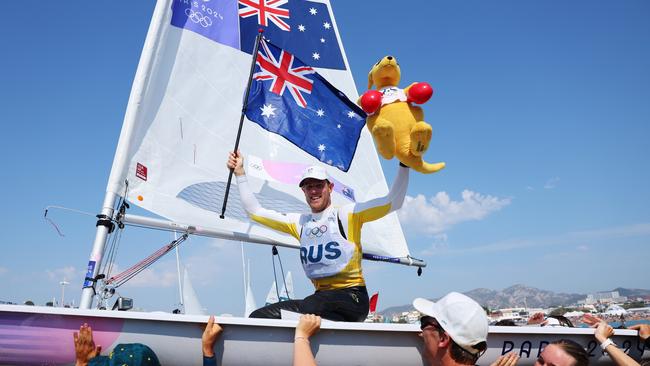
(630,322)
(617,324)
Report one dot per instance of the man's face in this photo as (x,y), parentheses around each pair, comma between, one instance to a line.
(431,336)
(554,355)
(317,193)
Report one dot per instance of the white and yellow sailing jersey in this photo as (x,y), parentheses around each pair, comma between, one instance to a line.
(331,257)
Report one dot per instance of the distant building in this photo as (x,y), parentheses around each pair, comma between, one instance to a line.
(410,317)
(514,314)
(374,318)
(603,298)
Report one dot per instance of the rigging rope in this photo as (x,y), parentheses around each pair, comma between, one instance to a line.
(284,281)
(56,227)
(121,278)
(108,261)
(275,252)
(116,239)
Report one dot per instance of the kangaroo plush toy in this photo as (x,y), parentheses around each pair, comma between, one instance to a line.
(396,125)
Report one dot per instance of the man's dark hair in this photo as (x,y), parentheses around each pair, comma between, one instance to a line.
(506,323)
(564,321)
(575,350)
(461,355)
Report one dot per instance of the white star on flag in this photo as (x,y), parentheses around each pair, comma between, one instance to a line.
(312,11)
(351,114)
(268,110)
(322,40)
(321,147)
(338,126)
(301,27)
(320,113)
(316,56)
(327,25)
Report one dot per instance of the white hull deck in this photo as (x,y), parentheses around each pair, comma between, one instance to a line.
(43,335)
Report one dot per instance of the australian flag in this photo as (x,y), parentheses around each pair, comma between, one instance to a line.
(301,27)
(289,98)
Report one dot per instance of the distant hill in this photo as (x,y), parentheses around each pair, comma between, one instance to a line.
(522,295)
(632,293)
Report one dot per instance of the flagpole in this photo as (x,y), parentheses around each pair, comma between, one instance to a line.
(241,119)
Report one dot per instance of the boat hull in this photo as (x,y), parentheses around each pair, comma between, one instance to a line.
(43,335)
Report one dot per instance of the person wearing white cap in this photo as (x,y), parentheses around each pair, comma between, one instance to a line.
(454,330)
(330,242)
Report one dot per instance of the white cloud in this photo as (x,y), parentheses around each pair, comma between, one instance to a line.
(552,183)
(68,273)
(3,270)
(439,245)
(582,248)
(439,213)
(156,277)
(219,244)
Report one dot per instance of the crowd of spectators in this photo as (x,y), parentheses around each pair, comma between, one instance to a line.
(454,332)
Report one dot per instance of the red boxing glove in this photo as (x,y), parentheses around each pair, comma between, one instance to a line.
(420,93)
(370,101)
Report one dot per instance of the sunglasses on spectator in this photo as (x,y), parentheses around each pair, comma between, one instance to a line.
(429,321)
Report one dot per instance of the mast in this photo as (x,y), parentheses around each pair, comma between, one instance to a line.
(178,271)
(243,269)
(103,226)
(120,161)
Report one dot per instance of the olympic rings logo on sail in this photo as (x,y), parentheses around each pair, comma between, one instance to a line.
(317,232)
(198,17)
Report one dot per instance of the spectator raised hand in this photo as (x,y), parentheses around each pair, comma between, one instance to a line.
(210,336)
(308,325)
(644,331)
(509,359)
(602,334)
(536,318)
(84,345)
(591,320)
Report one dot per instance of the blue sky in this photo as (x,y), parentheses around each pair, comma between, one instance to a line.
(541,112)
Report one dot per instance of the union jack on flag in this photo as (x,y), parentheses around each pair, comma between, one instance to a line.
(285,73)
(314,115)
(266,10)
(304,28)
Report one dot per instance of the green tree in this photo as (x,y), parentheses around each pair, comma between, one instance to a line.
(634,304)
(560,311)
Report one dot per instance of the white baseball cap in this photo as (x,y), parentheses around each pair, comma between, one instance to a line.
(315,172)
(461,317)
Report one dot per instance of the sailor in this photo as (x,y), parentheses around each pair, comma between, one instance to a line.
(330,242)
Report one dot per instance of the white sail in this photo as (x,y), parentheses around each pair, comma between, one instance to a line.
(285,294)
(287,288)
(250,299)
(181,122)
(190,299)
(272,296)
